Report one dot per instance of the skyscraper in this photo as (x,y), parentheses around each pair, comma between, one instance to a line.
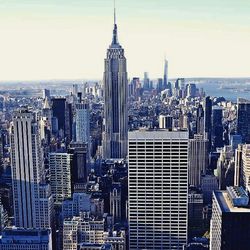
(198,161)
(146,81)
(200,120)
(158,189)
(246,165)
(28,173)
(243,119)
(79,169)
(115,100)
(191,90)
(229,226)
(82,122)
(25,167)
(165,76)
(217,127)
(59,109)
(60,176)
(238,167)
(208,119)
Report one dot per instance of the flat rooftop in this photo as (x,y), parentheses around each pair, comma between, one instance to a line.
(226,205)
(159,134)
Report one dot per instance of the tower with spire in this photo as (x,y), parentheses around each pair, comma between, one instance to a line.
(165,77)
(115,136)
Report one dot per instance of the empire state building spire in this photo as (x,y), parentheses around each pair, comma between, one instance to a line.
(115,136)
(115,36)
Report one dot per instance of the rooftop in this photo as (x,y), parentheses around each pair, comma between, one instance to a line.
(158,134)
(226,205)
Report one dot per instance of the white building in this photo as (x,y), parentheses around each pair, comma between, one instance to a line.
(82,122)
(246,165)
(79,229)
(158,189)
(28,172)
(60,176)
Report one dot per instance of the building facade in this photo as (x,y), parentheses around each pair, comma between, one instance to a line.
(246,165)
(27,168)
(243,119)
(60,176)
(82,122)
(158,189)
(28,239)
(198,159)
(229,226)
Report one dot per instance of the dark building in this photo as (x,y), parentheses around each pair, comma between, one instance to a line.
(200,120)
(58,109)
(208,119)
(217,128)
(165,76)
(79,171)
(62,117)
(243,119)
(159,86)
(146,81)
(195,210)
(69,121)
(230,227)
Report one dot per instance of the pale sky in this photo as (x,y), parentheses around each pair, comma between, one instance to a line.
(68,39)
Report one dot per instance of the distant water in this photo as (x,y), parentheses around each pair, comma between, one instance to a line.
(228,90)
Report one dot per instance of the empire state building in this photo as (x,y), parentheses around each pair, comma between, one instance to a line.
(115,137)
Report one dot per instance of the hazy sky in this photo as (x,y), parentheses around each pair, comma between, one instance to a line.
(50,39)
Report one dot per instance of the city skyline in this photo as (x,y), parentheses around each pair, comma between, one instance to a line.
(53,40)
(124,164)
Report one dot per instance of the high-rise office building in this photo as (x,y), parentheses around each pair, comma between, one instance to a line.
(75,90)
(229,226)
(165,76)
(191,90)
(79,171)
(246,166)
(82,122)
(27,168)
(243,119)
(198,159)
(46,93)
(217,127)
(159,85)
(115,101)
(158,189)
(60,165)
(200,120)
(207,106)
(59,109)
(238,167)
(146,81)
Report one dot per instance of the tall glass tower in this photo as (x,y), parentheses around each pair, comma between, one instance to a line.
(115,137)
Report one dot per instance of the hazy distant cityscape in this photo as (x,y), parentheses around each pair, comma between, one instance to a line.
(230,88)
